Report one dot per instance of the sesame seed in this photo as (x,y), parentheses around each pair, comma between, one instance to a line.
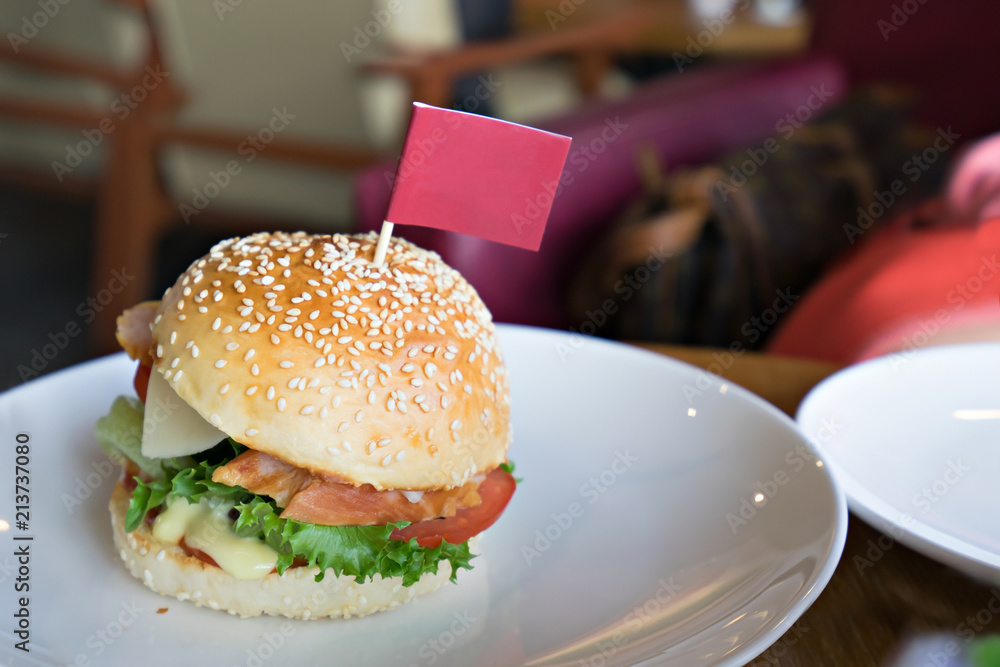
(281,404)
(220,363)
(270,393)
(177,376)
(306,410)
(400,455)
(251,390)
(249,355)
(252,432)
(215,419)
(286,364)
(232,346)
(386,460)
(444,402)
(194,351)
(224,388)
(255,370)
(275,339)
(359,415)
(173,337)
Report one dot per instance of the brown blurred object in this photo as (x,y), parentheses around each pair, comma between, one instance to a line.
(882,592)
(671,26)
(133,206)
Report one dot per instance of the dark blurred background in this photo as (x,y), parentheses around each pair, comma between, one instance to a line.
(134,134)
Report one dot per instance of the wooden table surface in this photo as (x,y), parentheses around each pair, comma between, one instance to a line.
(882,593)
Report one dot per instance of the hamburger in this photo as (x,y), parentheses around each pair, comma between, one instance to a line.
(314,435)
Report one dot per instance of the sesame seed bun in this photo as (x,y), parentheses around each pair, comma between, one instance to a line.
(298,346)
(166,569)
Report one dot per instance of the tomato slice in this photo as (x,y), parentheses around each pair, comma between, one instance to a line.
(141,381)
(495,491)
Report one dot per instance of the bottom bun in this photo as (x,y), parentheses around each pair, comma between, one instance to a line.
(166,569)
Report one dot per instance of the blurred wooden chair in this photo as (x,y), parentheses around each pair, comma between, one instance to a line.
(189,115)
(183,152)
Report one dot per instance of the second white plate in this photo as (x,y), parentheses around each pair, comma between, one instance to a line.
(914,439)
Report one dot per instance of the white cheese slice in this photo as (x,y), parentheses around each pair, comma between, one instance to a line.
(171,427)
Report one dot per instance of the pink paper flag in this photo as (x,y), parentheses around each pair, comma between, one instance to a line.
(475,175)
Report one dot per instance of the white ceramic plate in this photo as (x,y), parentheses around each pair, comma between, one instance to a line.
(914,439)
(624,545)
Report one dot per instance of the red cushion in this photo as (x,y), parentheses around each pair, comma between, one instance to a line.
(902,289)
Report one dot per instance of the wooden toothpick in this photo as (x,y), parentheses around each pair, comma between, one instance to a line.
(383,243)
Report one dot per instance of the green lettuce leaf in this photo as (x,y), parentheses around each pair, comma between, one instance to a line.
(120,435)
(508,467)
(194,482)
(357,551)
